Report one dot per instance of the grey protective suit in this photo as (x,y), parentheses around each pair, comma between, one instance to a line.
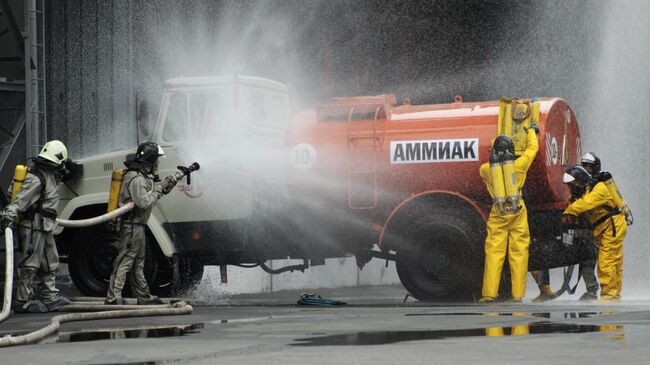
(39,254)
(144,192)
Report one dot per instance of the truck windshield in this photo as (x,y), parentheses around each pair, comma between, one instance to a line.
(196,114)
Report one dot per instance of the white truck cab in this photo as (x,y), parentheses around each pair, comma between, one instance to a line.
(234,126)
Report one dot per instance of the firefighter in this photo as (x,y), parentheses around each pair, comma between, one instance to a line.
(507,226)
(599,206)
(140,187)
(33,212)
(587,269)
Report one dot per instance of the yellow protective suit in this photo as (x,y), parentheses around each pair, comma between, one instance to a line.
(609,235)
(508,232)
(520,330)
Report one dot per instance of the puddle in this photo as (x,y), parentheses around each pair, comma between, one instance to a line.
(386,337)
(445,314)
(554,315)
(118,334)
(567,315)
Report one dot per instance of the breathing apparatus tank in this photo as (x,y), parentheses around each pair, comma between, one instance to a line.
(116,185)
(608,180)
(510,183)
(118,176)
(502,173)
(498,188)
(19,178)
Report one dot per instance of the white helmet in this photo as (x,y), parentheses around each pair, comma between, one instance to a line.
(54,151)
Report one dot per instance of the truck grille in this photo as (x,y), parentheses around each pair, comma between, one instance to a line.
(108,166)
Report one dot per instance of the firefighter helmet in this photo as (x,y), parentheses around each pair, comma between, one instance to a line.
(53,153)
(591,163)
(577,175)
(148,153)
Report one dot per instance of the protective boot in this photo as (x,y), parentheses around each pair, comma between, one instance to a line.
(116,301)
(487,300)
(150,301)
(56,304)
(545,294)
(588,296)
(33,306)
(607,299)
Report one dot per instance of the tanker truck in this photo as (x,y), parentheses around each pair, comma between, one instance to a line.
(358,176)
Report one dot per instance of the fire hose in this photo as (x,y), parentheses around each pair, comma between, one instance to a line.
(9,274)
(184,172)
(9,249)
(92,311)
(179,308)
(96,220)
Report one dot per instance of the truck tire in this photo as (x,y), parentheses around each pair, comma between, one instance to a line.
(91,260)
(95,250)
(443,260)
(176,276)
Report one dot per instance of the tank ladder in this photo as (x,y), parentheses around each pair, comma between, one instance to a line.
(362,168)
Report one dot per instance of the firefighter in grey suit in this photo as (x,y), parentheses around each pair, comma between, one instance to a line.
(139,187)
(34,212)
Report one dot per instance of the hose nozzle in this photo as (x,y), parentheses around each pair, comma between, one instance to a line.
(193,167)
(186,171)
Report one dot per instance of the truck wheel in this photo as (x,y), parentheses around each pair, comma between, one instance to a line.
(91,260)
(444,260)
(170,277)
(187,275)
(95,250)
(175,276)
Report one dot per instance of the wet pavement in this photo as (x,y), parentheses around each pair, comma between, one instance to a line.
(376,328)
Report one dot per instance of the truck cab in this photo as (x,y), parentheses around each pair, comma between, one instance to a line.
(224,123)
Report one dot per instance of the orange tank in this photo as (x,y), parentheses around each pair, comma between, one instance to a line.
(367,149)
(366,171)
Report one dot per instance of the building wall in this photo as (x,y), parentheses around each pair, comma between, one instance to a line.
(12,110)
(13,70)
(91,90)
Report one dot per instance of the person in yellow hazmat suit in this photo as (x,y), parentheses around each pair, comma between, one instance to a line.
(599,206)
(507,225)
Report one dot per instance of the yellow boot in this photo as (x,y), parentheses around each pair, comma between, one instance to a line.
(545,294)
(487,300)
